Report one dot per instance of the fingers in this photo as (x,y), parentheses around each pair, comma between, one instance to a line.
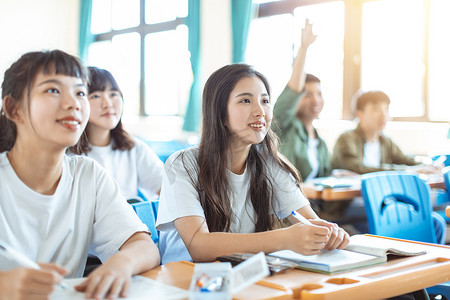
(106,286)
(58,269)
(338,239)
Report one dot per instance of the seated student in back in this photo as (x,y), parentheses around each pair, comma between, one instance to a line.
(54,208)
(296,108)
(366,149)
(225,195)
(129,161)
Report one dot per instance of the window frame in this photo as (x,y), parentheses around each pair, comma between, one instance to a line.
(352,49)
(142,29)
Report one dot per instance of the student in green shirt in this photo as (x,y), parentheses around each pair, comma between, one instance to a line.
(297,107)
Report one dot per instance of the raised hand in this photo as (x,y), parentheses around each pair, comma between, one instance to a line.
(308,37)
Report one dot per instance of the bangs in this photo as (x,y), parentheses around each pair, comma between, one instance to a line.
(60,63)
(100,79)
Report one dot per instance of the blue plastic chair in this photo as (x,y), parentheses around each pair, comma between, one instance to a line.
(164,149)
(398,205)
(146,212)
(442,197)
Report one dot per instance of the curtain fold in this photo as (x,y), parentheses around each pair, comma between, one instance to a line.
(241,16)
(86,37)
(193,110)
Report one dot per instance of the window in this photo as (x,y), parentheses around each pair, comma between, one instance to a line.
(144,44)
(274,41)
(398,46)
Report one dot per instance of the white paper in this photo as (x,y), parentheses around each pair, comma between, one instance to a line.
(141,288)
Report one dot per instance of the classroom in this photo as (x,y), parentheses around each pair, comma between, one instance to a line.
(351,106)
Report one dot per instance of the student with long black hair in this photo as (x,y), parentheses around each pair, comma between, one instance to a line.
(226,195)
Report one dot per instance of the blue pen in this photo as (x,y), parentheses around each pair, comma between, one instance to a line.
(301,218)
(24,261)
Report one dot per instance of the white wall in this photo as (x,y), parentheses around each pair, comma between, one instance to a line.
(28,25)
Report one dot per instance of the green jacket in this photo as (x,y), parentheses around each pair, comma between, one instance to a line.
(348,153)
(294,138)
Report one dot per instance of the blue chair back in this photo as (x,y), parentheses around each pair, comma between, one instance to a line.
(398,205)
(446,162)
(164,149)
(446,173)
(147,213)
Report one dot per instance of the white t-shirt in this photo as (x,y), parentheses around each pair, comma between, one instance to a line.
(180,199)
(313,158)
(138,168)
(87,211)
(372,154)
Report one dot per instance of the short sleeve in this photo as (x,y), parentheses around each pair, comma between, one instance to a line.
(115,220)
(287,194)
(178,198)
(150,170)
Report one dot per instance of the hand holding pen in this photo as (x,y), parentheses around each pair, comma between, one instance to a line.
(32,281)
(319,235)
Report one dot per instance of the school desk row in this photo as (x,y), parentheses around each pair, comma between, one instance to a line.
(344,188)
(397,276)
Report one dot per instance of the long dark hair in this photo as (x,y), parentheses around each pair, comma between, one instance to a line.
(121,140)
(213,186)
(19,77)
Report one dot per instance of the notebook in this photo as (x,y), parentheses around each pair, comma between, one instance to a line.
(362,251)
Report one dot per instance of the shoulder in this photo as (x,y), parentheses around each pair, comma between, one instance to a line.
(183,160)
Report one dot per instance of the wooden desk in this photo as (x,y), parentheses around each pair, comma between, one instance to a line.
(318,192)
(397,276)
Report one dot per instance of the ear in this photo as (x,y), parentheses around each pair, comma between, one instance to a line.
(359,113)
(12,109)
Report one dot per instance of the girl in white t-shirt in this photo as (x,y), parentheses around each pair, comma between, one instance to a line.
(130,161)
(221,197)
(55,208)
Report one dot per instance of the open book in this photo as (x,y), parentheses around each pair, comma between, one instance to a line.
(362,251)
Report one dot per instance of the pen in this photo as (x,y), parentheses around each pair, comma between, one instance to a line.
(24,261)
(301,218)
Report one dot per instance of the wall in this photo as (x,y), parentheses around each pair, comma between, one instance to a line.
(29,25)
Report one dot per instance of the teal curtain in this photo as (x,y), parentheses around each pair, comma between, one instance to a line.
(241,16)
(86,37)
(193,111)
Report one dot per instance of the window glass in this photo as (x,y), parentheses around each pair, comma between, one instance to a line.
(168,72)
(439,60)
(274,41)
(157,11)
(325,58)
(392,54)
(125,14)
(110,56)
(101,16)
(269,49)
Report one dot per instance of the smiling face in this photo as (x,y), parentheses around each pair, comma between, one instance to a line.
(311,104)
(106,109)
(58,111)
(249,112)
